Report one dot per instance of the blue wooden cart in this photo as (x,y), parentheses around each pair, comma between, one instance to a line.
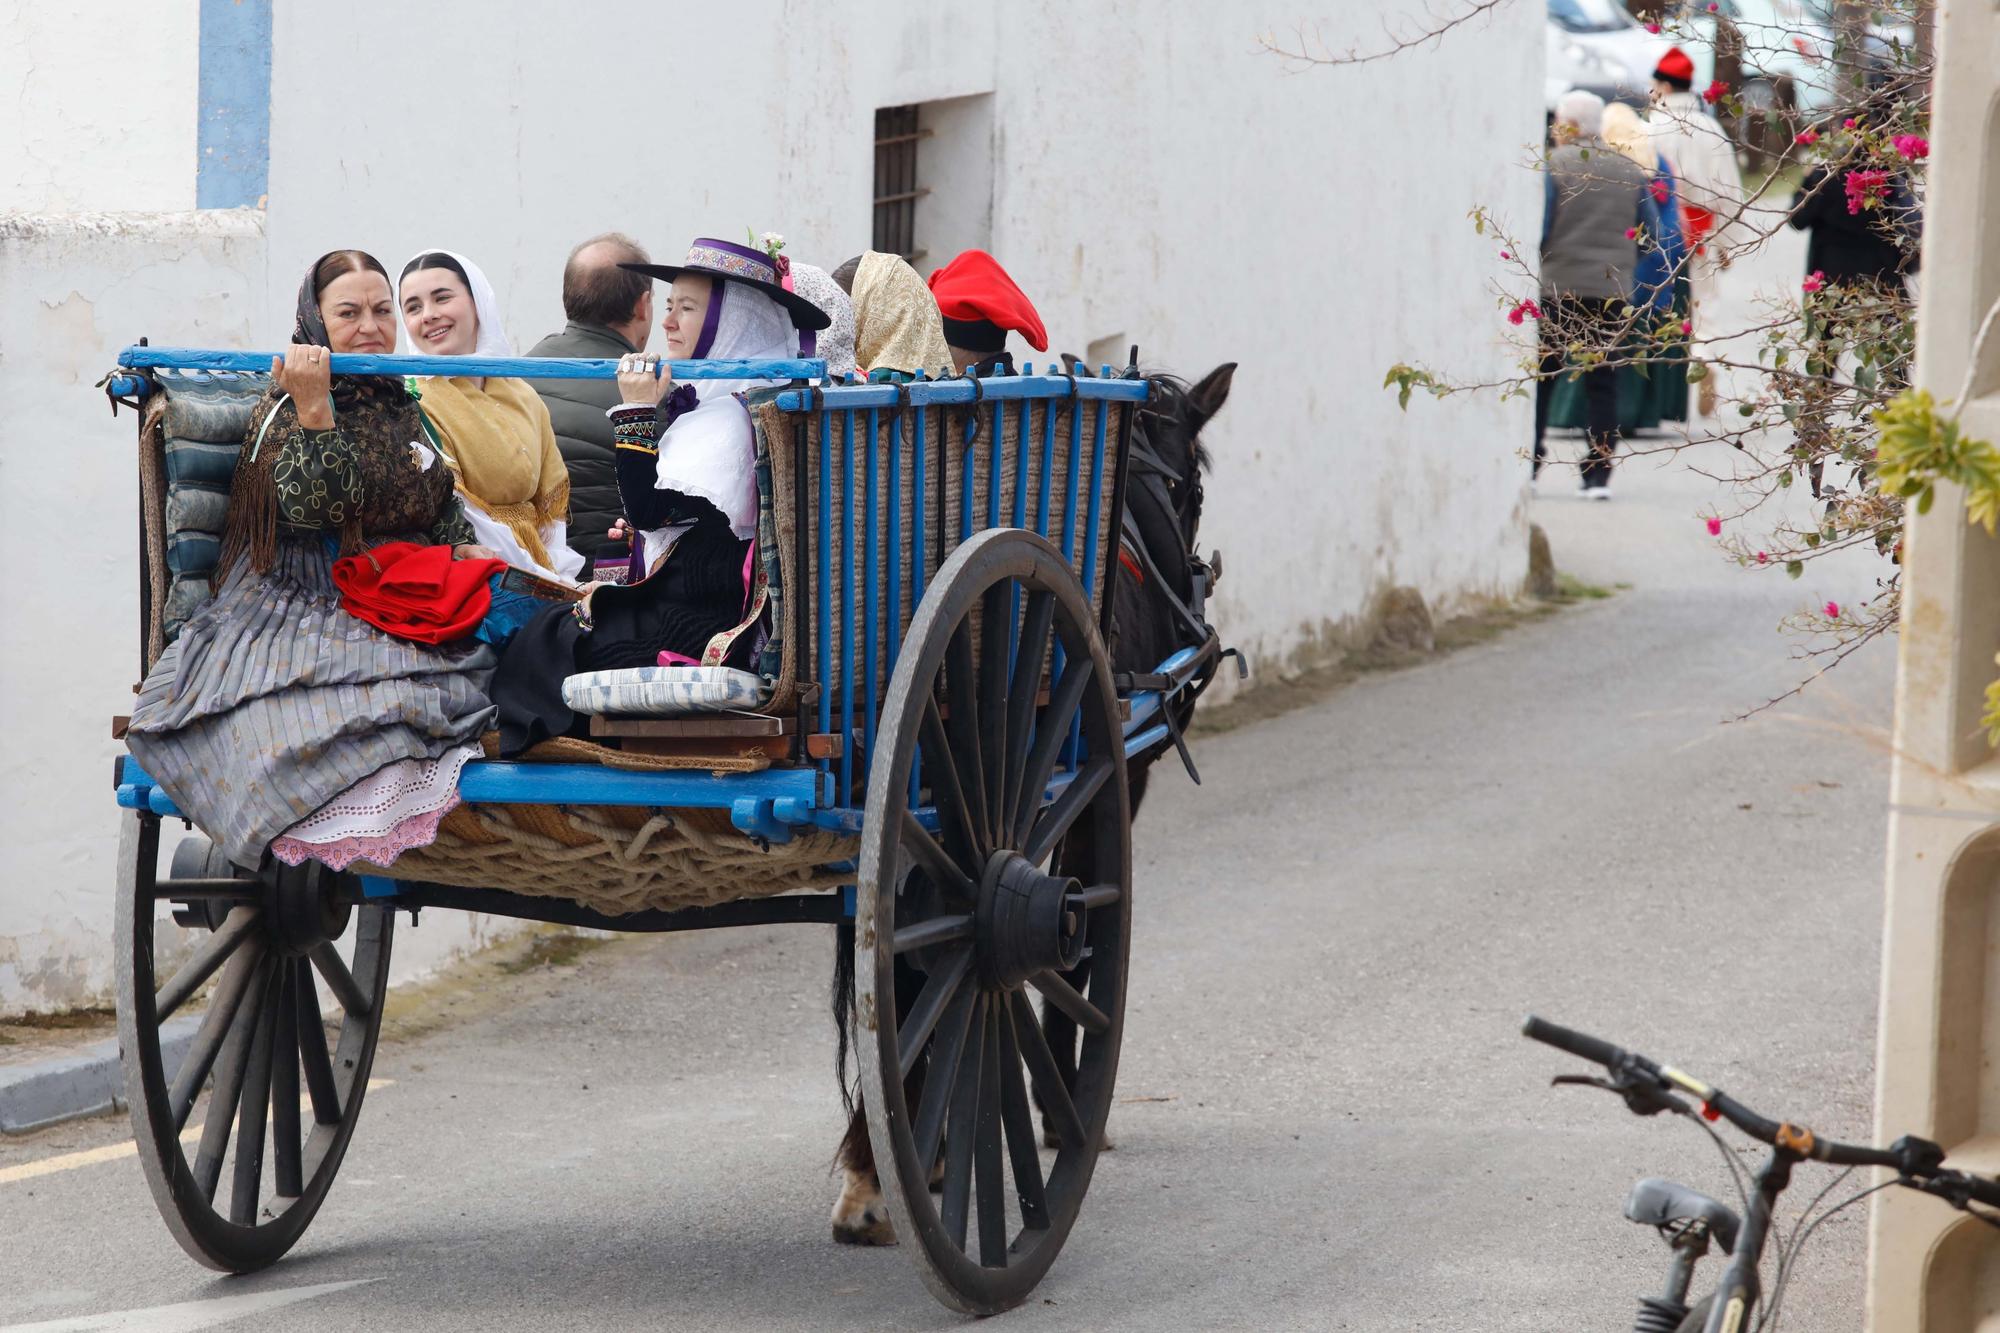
(940,762)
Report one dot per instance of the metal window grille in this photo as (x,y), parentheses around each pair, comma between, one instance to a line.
(896,189)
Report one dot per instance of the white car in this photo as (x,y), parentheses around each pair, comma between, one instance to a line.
(1599,47)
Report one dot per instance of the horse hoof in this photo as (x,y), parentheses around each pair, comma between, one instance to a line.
(861,1218)
(878,1231)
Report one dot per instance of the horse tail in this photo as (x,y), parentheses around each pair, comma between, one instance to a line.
(843,1006)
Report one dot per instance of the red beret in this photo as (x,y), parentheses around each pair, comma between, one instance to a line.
(973,288)
(1675,65)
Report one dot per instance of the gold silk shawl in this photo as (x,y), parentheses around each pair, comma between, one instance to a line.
(896,320)
(503,451)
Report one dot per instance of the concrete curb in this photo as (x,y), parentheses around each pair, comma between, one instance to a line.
(84,1081)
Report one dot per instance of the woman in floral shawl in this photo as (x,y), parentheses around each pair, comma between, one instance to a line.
(276,720)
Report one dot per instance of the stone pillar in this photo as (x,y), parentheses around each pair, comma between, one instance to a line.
(1931,1269)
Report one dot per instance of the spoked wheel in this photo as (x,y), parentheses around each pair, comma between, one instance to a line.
(239,1183)
(973,920)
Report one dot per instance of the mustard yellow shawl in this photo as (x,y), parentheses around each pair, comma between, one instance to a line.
(503,452)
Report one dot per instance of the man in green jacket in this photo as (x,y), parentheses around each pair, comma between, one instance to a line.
(610,312)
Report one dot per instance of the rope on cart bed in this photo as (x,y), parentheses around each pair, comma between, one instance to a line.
(577,852)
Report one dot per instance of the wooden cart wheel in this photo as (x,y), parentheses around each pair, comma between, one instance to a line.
(239,1183)
(976,920)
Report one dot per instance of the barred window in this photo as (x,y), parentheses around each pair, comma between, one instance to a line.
(897,190)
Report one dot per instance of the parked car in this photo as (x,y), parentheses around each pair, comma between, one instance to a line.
(1597,46)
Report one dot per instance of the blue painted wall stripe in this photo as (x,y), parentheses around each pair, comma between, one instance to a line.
(233,134)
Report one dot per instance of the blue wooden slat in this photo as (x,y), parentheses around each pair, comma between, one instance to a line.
(510,367)
(955,392)
(870,592)
(893,616)
(847,585)
(996,426)
(824,633)
(919,497)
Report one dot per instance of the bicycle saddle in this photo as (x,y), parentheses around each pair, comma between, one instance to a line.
(1657,1202)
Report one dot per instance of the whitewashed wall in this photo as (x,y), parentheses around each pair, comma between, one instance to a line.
(79,287)
(1154,178)
(99,105)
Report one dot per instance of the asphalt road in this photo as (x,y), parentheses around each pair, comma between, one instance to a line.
(1329,1120)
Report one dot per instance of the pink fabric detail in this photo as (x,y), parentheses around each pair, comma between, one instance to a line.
(416,831)
(668,658)
(749,564)
(393,809)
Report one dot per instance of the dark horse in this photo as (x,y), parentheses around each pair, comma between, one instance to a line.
(1156,599)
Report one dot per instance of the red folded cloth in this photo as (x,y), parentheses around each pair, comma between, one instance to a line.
(416,592)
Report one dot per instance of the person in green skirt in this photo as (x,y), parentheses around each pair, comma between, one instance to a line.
(1653,389)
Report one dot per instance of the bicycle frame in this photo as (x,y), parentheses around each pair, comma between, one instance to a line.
(1737,1294)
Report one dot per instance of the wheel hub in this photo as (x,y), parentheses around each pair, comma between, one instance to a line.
(1027,922)
(305,905)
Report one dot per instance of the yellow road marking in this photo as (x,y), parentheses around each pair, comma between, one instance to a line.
(111,1152)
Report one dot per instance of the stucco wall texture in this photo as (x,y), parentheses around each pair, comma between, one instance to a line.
(1146,171)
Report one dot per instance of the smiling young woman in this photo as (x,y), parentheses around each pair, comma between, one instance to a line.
(272,666)
(496,432)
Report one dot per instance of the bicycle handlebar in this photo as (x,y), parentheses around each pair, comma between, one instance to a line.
(1593,1049)
(1914,1159)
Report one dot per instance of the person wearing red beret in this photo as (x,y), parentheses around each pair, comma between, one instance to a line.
(981,306)
(1703,160)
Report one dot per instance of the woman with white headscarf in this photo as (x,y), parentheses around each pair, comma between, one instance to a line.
(495,432)
(687,476)
(833,344)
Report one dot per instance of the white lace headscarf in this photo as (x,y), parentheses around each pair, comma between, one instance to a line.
(493,340)
(749,327)
(835,344)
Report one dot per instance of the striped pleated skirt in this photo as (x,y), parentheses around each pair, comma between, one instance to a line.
(273,701)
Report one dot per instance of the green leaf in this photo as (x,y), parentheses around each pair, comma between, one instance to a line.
(1924,500)
(1794,568)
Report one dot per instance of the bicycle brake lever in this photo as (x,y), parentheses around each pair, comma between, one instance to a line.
(1640,1098)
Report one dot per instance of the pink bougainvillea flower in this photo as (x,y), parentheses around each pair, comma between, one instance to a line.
(1807,137)
(1505,255)
(1832,610)
(1849,123)
(1653,28)
(1913,147)
(1865,186)
(1659,189)
(1631,233)
(1715,92)
(1687,327)
(1815,282)
(1524,310)
(1713,7)
(1763,557)
(1715,527)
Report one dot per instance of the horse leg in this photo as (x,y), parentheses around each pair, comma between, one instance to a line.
(860,1216)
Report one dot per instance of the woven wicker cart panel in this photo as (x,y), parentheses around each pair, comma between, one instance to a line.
(619,859)
(940,460)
